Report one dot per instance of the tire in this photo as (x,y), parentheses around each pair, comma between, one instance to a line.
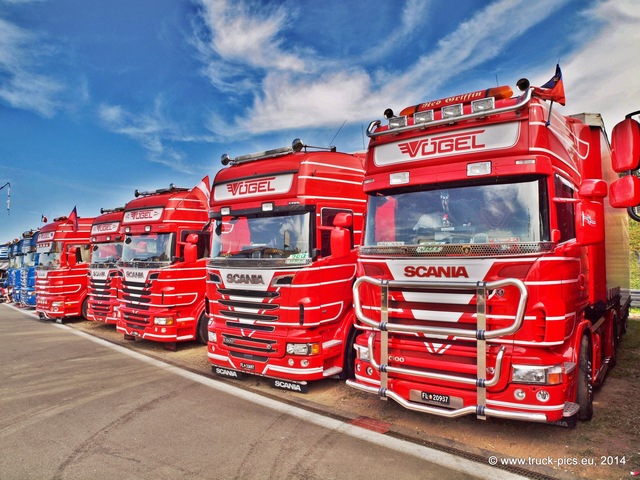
(202,333)
(85,308)
(585,384)
(349,362)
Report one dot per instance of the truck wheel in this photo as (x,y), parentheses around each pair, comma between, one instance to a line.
(585,386)
(202,333)
(85,308)
(348,367)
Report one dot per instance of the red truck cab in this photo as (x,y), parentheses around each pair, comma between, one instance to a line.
(493,279)
(285,226)
(163,266)
(104,274)
(61,275)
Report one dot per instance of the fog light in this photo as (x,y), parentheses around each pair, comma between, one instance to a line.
(304,363)
(397,122)
(369,371)
(543,396)
(290,362)
(362,352)
(519,394)
(451,111)
(483,104)
(422,117)
(358,368)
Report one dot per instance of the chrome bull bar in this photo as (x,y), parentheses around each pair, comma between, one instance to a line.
(480,334)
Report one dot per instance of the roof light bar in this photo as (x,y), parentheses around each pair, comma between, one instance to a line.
(422,113)
(296,146)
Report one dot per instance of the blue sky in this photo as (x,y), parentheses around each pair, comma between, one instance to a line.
(102,97)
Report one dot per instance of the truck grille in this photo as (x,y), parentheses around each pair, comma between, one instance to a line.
(247,305)
(137,299)
(242,309)
(100,289)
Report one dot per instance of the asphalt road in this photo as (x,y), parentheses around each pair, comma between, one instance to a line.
(76,407)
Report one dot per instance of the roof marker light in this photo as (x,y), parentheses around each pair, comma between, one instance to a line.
(399,178)
(477,169)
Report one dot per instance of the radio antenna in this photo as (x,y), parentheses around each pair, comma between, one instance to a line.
(334,137)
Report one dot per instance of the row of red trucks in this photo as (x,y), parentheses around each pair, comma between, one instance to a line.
(466,264)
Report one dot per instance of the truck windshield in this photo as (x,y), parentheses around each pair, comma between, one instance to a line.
(29,259)
(149,248)
(285,236)
(106,253)
(49,255)
(471,214)
(15,261)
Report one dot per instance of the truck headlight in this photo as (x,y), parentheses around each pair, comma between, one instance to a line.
(164,321)
(303,348)
(213,337)
(536,374)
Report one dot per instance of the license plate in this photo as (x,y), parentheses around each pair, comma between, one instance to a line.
(436,398)
(247,366)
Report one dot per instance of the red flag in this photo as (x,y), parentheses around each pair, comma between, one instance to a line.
(552,90)
(203,191)
(73,217)
(44,219)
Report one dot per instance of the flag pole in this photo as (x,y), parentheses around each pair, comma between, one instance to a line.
(549,117)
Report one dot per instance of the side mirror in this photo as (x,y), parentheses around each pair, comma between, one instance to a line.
(589,222)
(340,236)
(593,188)
(625,192)
(625,142)
(191,248)
(343,220)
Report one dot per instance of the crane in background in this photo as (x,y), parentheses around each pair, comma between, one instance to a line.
(8,184)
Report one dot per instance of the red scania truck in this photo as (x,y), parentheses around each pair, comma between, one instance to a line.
(493,279)
(163,265)
(104,274)
(61,275)
(282,264)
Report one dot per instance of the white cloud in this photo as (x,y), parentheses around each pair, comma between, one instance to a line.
(239,37)
(24,88)
(290,102)
(152,130)
(603,77)
(293,101)
(481,38)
